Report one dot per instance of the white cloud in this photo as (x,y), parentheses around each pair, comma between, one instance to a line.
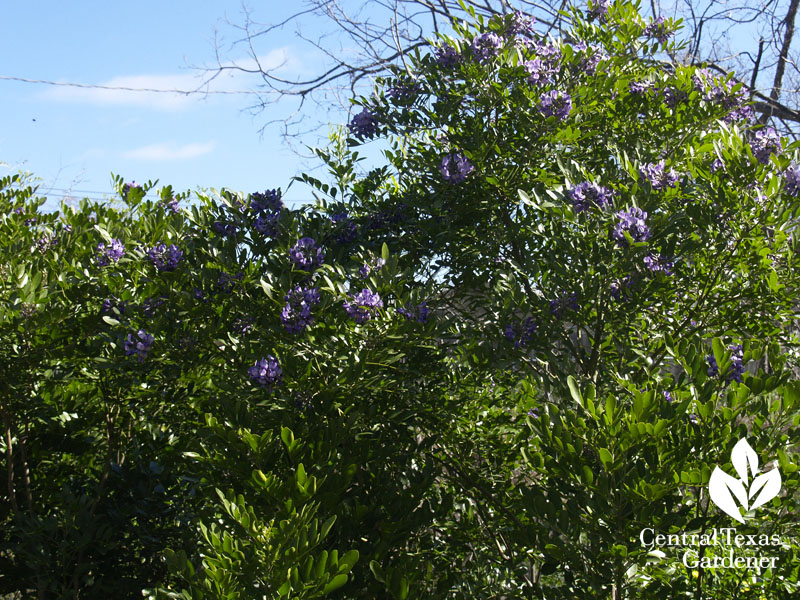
(169,151)
(196,82)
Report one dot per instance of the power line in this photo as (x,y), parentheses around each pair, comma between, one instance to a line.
(92,86)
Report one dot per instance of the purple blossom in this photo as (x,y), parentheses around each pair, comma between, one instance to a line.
(534,413)
(520,24)
(658,264)
(112,303)
(791,178)
(267,223)
(128,187)
(486,46)
(363,125)
(43,244)
(717,165)
(363,306)
(658,29)
(673,96)
(269,201)
(266,372)
(346,229)
(151,305)
(521,334)
(243,325)
(165,259)
(306,254)
(658,176)
(598,9)
(111,253)
(418,313)
(29,222)
(548,51)
(225,229)
(633,223)
(171,204)
(622,291)
(555,103)
(447,56)
(720,92)
(693,419)
(296,314)
(367,268)
(139,344)
(737,365)
(455,167)
(668,397)
(403,90)
(764,143)
(586,194)
(639,87)
(226,282)
(539,71)
(565,301)
(591,57)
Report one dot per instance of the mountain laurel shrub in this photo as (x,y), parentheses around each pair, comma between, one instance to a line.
(479,370)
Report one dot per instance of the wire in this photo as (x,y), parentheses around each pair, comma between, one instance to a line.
(123,88)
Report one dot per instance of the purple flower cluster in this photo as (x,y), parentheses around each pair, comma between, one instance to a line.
(151,305)
(139,344)
(658,176)
(296,314)
(403,90)
(717,165)
(622,291)
(363,306)
(539,71)
(418,313)
(266,372)
(225,229)
(170,204)
(633,223)
(565,301)
(520,24)
(226,282)
(668,397)
(128,187)
(737,365)
(243,325)
(363,125)
(368,267)
(486,46)
(447,56)
(598,9)
(764,143)
(267,207)
(720,92)
(673,96)
(346,229)
(791,177)
(306,254)
(521,334)
(165,259)
(109,304)
(658,29)
(111,253)
(658,264)
(590,57)
(45,243)
(640,87)
(455,167)
(586,194)
(555,103)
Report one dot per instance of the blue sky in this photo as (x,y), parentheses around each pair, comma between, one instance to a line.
(73,139)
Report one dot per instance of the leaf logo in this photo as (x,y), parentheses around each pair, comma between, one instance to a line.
(751,490)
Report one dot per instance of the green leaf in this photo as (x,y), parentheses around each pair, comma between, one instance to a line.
(605,458)
(574,391)
(385,251)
